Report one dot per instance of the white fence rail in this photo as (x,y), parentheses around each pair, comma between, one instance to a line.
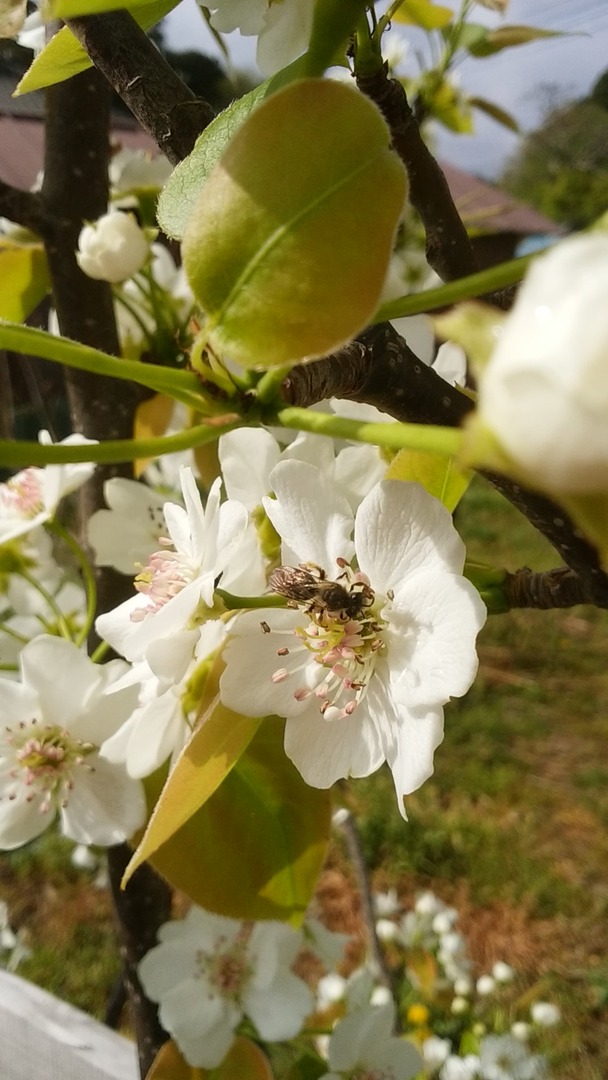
(42,1038)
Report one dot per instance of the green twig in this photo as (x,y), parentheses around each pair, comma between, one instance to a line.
(432,439)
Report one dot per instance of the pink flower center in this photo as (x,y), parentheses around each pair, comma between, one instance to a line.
(228,968)
(165,575)
(45,756)
(346,649)
(22,494)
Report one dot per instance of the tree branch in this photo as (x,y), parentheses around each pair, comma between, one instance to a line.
(378,368)
(75,188)
(156,96)
(558,588)
(22,207)
(448,248)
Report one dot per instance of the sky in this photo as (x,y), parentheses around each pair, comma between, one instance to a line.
(522,80)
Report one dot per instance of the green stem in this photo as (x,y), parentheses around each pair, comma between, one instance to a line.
(88,577)
(234,603)
(485,281)
(438,440)
(268,387)
(14,634)
(18,455)
(49,599)
(99,653)
(181,385)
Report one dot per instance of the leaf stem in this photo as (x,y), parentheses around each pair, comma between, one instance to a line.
(396,436)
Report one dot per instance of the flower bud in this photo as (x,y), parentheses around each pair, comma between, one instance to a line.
(544,393)
(112,248)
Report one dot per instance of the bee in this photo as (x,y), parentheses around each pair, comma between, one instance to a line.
(309,585)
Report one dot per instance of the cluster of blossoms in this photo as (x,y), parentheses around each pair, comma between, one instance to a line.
(467,1028)
(213,976)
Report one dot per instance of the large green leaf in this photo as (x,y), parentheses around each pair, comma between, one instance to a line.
(180,193)
(64,56)
(333,21)
(274,248)
(25,280)
(255,849)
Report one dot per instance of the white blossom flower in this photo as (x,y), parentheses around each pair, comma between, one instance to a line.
(283,27)
(428,904)
(326,944)
(112,248)
(457,1068)
(387,930)
(55,719)
(444,921)
(31,496)
(331,988)
(485,985)
(463,986)
(362,1044)
(363,681)
(503,973)
(459,1005)
(200,545)
(386,903)
(164,719)
(503,1057)
(520,1030)
(435,1051)
(380,995)
(129,531)
(209,971)
(132,170)
(545,1014)
(544,392)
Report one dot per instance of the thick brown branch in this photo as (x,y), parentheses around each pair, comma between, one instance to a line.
(559,588)
(75,189)
(162,103)
(22,207)
(448,248)
(379,369)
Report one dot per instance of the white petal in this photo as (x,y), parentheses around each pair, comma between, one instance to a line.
(324,751)
(356,1037)
(63,677)
(311,517)
(414,737)
(105,806)
(247,457)
(279,1011)
(21,820)
(246,685)
(400,528)
(433,624)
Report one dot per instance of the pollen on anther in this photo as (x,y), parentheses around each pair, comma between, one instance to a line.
(283,652)
(279,675)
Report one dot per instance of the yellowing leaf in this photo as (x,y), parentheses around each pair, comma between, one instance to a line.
(244,1061)
(25,280)
(151,419)
(423,13)
(69,9)
(274,249)
(506,37)
(442,476)
(64,56)
(203,765)
(255,849)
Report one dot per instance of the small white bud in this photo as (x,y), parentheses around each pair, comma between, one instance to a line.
(545,1014)
(503,973)
(112,248)
(520,1031)
(485,985)
(459,1005)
